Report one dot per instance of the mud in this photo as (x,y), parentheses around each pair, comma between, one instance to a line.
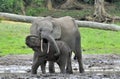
(96,67)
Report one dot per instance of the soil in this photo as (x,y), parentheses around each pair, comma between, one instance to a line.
(96,67)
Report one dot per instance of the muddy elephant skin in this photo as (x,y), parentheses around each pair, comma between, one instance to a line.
(41,57)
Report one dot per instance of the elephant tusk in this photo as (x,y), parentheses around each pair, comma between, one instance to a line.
(48,47)
(41,45)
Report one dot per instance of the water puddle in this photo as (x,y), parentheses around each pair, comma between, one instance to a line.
(14,69)
(94,68)
(100,67)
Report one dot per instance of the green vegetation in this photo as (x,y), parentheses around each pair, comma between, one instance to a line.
(12,40)
(39,8)
(73,13)
(28,7)
(100,41)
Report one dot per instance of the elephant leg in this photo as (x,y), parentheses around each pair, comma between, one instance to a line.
(51,67)
(78,54)
(62,67)
(69,66)
(35,66)
(62,63)
(34,56)
(43,67)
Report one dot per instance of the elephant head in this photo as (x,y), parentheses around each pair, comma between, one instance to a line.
(35,42)
(48,31)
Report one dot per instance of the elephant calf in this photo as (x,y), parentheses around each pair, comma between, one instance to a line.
(44,52)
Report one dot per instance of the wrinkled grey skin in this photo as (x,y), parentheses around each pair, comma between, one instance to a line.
(40,59)
(63,29)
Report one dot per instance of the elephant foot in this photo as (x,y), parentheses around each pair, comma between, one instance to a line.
(33,75)
(69,71)
(43,72)
(52,71)
(82,70)
(33,72)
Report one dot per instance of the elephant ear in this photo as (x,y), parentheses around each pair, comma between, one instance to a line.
(56,33)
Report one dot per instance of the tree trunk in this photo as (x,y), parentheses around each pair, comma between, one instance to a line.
(22,7)
(100,15)
(70,4)
(49,5)
(86,24)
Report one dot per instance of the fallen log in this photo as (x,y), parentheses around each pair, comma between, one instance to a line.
(19,18)
(96,25)
(86,24)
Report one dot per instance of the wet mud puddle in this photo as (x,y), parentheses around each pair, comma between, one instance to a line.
(96,67)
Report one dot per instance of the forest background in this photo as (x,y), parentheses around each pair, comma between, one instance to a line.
(57,8)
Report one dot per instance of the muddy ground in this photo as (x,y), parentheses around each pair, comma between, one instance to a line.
(96,67)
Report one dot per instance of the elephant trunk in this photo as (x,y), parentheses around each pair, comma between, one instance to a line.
(52,41)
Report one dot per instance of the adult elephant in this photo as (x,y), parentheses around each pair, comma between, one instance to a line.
(64,29)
